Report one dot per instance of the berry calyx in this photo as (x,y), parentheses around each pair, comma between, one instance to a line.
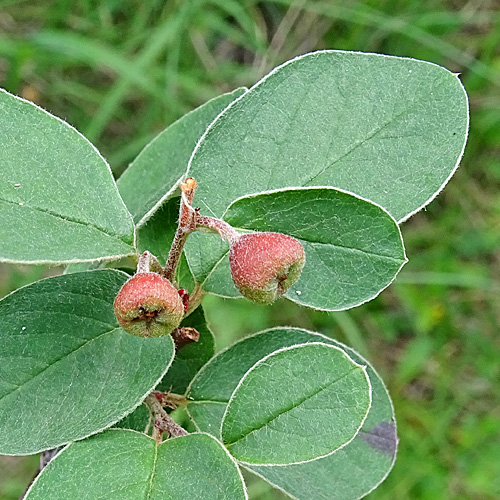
(148,305)
(265,265)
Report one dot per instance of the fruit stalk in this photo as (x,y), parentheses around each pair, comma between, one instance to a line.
(213,225)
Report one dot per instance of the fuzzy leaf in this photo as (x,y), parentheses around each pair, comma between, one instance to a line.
(354,248)
(204,252)
(389,129)
(367,459)
(295,405)
(155,173)
(127,465)
(67,370)
(138,420)
(219,281)
(58,200)
(190,358)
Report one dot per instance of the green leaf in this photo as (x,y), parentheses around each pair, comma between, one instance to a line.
(67,370)
(352,472)
(184,276)
(190,358)
(354,248)
(296,404)
(349,474)
(80,267)
(126,465)
(204,252)
(138,420)
(367,459)
(158,232)
(58,199)
(153,176)
(208,258)
(219,281)
(389,129)
(207,415)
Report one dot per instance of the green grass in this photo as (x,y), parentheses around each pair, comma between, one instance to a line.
(121,71)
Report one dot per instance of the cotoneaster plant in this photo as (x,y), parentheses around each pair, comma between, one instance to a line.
(294,187)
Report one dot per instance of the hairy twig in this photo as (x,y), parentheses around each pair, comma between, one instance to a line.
(186,225)
(162,422)
(148,263)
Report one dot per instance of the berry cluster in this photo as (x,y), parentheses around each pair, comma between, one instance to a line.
(264,265)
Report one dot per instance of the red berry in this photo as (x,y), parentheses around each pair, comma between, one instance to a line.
(148,305)
(265,265)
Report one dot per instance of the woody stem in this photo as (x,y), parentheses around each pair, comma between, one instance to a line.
(162,421)
(186,225)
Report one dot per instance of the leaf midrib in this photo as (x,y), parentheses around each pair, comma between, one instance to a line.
(149,490)
(67,219)
(296,405)
(57,361)
(359,143)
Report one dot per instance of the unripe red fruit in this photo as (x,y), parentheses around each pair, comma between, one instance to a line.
(265,265)
(148,305)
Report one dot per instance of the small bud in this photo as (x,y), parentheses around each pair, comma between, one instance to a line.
(265,265)
(148,305)
(184,295)
(184,335)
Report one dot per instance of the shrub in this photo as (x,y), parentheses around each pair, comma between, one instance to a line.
(333,150)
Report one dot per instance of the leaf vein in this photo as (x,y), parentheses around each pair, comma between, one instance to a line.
(294,405)
(69,220)
(55,362)
(149,491)
(358,144)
